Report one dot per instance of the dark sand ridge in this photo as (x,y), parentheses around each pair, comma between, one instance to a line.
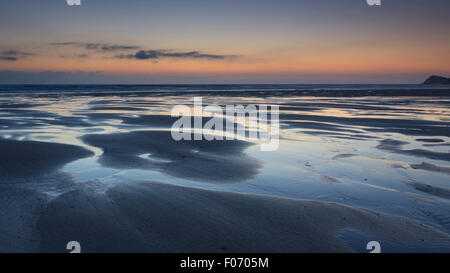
(155,217)
(28,118)
(433,190)
(8,104)
(159,120)
(101,116)
(326,129)
(24,158)
(430,140)
(27,170)
(437,145)
(212,161)
(422,166)
(344,155)
(288,124)
(393,145)
(431,167)
(333,104)
(354,137)
(133,102)
(72,121)
(23,112)
(406,127)
(8,123)
(155,120)
(116,108)
(107,101)
(338,135)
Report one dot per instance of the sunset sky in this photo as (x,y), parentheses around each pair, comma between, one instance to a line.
(223,41)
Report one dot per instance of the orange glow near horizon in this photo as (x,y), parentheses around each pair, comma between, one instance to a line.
(287,40)
(346,62)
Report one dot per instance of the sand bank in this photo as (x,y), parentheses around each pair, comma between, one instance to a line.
(155,217)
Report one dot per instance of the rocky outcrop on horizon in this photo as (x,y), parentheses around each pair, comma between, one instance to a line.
(437,80)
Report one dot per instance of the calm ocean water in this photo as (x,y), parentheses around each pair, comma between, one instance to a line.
(209,88)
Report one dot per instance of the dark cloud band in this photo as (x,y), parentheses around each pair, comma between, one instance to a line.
(98,46)
(157,54)
(14,55)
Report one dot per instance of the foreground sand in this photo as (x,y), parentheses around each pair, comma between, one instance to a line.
(155,217)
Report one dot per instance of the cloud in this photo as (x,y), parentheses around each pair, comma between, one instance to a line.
(65,44)
(98,46)
(142,54)
(14,55)
(117,47)
(156,54)
(77,56)
(8,58)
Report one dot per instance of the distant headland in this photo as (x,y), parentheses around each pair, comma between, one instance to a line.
(437,80)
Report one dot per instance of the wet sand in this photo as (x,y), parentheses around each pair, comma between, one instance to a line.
(186,159)
(27,158)
(367,159)
(156,217)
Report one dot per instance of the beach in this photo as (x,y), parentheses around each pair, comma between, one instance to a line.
(98,165)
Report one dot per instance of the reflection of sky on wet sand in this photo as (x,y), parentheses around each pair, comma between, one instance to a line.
(318,158)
